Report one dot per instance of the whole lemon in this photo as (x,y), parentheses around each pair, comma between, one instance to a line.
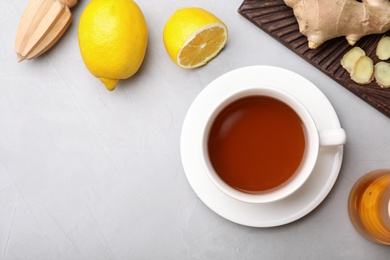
(113,38)
(193,36)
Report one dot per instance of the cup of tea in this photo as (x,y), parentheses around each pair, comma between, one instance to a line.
(260,144)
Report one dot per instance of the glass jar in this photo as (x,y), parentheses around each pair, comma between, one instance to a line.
(369,206)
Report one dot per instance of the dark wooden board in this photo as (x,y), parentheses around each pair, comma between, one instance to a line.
(278,20)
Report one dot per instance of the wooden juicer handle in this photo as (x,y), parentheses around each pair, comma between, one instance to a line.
(41,26)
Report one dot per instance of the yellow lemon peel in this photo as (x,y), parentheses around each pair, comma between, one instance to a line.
(113,39)
(193,36)
(109,83)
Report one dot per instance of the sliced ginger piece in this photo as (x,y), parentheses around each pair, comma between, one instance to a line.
(382,74)
(363,70)
(350,58)
(383,48)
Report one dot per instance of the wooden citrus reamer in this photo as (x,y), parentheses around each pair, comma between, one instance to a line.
(41,26)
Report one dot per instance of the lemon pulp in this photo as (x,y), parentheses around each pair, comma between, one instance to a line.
(194,36)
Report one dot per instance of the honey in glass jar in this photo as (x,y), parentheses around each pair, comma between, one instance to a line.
(369,206)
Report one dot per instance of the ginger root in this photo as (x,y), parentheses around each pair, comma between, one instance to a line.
(360,66)
(382,69)
(363,70)
(382,74)
(383,48)
(350,58)
(324,20)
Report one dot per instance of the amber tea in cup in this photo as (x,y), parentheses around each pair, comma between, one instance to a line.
(256,144)
(260,144)
(369,206)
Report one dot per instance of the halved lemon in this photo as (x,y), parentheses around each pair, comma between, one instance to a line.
(193,36)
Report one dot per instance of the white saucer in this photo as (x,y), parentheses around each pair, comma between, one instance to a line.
(309,196)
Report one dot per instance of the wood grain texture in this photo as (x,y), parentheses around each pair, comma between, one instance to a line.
(278,20)
(42,24)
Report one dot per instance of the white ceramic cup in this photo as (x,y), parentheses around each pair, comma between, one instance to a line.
(314,139)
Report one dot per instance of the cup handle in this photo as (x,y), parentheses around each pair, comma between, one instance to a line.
(332,137)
